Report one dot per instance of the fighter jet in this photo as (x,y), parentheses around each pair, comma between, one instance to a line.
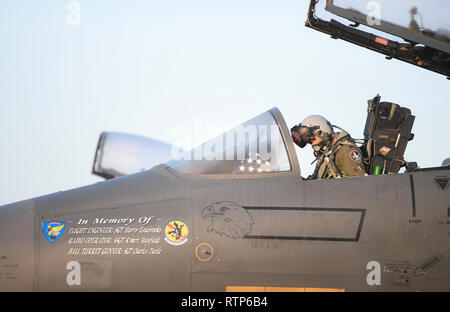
(235,214)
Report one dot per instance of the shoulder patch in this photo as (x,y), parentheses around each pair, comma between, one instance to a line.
(355,155)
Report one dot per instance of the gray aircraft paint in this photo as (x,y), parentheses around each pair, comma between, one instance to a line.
(271,229)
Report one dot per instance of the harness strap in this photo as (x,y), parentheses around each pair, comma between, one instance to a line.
(329,158)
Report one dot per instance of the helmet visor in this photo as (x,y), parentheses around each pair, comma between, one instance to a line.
(302,135)
(306,134)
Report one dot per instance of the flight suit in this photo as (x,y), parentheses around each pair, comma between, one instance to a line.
(342,159)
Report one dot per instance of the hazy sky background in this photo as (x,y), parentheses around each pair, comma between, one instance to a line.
(146,67)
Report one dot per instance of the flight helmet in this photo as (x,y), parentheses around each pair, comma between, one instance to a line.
(310,126)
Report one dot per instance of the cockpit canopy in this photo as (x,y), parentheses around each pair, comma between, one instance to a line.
(260,145)
(120,154)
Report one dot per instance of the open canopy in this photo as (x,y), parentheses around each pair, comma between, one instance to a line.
(422,21)
(414,31)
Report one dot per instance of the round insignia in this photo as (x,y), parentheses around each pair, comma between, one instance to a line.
(204,252)
(176,233)
(355,156)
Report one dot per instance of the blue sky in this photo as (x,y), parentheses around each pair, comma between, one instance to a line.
(146,67)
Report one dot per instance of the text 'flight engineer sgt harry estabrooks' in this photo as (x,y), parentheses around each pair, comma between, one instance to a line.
(336,154)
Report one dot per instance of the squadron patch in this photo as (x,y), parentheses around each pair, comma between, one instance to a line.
(53,230)
(355,156)
(176,233)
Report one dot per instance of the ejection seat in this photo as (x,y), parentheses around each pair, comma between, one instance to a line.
(386,135)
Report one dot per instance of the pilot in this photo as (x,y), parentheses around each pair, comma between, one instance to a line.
(337,154)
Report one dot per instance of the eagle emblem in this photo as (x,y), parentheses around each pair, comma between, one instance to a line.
(53,230)
(228,218)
